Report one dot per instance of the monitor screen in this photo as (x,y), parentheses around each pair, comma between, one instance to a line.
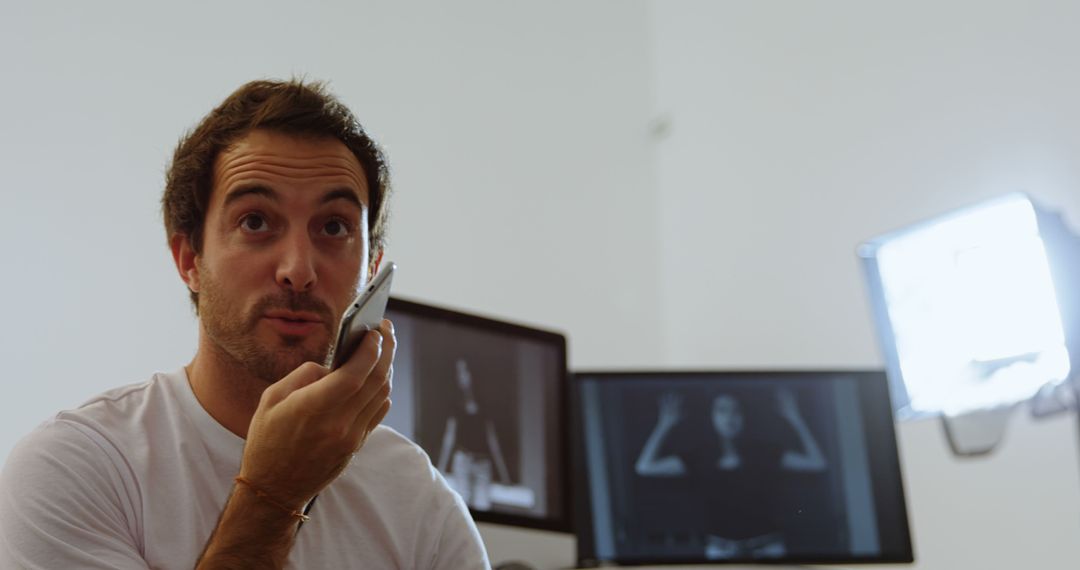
(680,467)
(485,399)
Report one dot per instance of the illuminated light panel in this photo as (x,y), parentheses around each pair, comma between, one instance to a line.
(972,308)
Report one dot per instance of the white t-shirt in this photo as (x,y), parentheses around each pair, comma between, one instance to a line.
(137,477)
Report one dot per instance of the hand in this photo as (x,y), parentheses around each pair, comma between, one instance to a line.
(719,548)
(670,411)
(309,424)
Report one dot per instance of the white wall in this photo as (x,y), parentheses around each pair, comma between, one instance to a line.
(517,137)
(792,131)
(672,183)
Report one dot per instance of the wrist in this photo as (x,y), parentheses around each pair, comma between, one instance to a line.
(250,533)
(283,505)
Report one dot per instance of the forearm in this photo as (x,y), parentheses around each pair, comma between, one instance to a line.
(496,452)
(812,452)
(810,458)
(810,447)
(251,533)
(447,445)
(647,460)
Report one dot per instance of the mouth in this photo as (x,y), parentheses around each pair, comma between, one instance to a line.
(292,323)
(293,316)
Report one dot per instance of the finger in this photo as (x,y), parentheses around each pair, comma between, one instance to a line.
(389,350)
(381,374)
(369,419)
(304,375)
(366,402)
(366,355)
(381,415)
(344,382)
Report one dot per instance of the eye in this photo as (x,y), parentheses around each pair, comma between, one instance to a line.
(254,223)
(336,227)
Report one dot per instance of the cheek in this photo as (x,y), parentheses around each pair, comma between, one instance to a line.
(245,264)
(344,275)
(229,276)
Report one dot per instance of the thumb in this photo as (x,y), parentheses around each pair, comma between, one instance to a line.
(304,375)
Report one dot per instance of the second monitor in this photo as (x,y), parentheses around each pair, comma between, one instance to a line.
(792,467)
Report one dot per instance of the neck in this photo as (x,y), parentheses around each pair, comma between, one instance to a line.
(224,388)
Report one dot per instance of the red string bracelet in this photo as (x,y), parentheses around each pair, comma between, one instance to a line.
(266,497)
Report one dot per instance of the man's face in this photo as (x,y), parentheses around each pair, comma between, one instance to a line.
(285,247)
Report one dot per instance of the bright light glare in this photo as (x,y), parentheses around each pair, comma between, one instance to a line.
(973,309)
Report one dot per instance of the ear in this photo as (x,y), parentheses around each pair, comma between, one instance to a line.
(375,262)
(184,256)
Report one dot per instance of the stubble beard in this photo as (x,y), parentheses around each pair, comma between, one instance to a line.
(233,333)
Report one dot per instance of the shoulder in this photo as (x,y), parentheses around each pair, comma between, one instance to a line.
(128,403)
(60,462)
(84,432)
(67,499)
(394,475)
(394,478)
(388,443)
(402,462)
(92,438)
(127,417)
(52,447)
(65,478)
(85,445)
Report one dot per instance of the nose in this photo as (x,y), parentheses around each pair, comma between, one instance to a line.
(296,263)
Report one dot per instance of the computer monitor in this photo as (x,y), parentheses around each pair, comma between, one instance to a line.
(700,467)
(485,399)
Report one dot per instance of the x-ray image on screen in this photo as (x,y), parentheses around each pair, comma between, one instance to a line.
(717,453)
(692,468)
(466,376)
(482,398)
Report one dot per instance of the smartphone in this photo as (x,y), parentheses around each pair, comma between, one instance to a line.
(364,314)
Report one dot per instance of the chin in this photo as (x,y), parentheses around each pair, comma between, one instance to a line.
(276,363)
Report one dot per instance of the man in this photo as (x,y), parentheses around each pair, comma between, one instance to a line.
(275,209)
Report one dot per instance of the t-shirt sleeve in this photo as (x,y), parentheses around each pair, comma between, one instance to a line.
(459,544)
(64,503)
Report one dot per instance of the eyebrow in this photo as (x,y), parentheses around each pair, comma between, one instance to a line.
(251,191)
(347,194)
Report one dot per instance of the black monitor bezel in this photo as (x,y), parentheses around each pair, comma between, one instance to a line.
(557,340)
(874,397)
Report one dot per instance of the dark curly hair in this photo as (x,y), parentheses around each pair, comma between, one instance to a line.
(292,107)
